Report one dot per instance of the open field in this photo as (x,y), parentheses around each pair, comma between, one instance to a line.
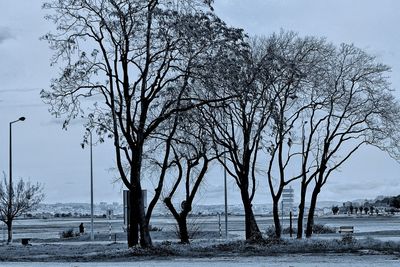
(380,227)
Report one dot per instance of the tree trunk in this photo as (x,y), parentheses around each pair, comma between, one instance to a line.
(181,219)
(138,220)
(133,226)
(313,204)
(145,239)
(252,231)
(277,223)
(9,232)
(137,204)
(183,230)
(300,217)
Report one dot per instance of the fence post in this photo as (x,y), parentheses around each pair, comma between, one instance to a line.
(291,228)
(219,224)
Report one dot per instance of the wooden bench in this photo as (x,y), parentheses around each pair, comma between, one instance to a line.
(346,229)
(25,241)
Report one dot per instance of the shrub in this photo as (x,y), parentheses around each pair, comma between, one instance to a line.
(68,233)
(270,231)
(323,229)
(317,229)
(348,239)
(286,231)
(154,228)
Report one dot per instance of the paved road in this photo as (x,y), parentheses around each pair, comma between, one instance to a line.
(295,261)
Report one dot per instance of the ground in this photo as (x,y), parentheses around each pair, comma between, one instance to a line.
(337,260)
(375,238)
(105,251)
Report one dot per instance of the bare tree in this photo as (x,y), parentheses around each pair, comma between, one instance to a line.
(292,67)
(359,109)
(237,125)
(163,142)
(24,197)
(192,157)
(139,58)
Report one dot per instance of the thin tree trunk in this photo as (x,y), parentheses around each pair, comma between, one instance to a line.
(252,231)
(9,232)
(313,204)
(300,217)
(277,223)
(183,230)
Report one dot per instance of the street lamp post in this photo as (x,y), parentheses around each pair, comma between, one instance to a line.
(91,185)
(10,170)
(226,199)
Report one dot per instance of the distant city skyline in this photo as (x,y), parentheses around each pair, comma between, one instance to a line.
(45,153)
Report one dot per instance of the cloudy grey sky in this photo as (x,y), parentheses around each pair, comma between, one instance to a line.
(45,153)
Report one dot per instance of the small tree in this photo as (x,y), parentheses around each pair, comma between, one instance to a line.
(351,209)
(360,209)
(24,197)
(335,210)
(366,209)
(192,161)
(372,210)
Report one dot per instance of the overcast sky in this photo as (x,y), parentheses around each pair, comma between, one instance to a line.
(43,152)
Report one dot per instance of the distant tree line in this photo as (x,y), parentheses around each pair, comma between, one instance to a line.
(177,90)
(390,201)
(390,204)
(365,208)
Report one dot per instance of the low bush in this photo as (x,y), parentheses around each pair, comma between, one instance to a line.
(68,233)
(270,231)
(286,231)
(348,239)
(317,229)
(154,228)
(323,229)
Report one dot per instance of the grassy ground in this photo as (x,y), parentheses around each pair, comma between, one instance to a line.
(47,246)
(90,251)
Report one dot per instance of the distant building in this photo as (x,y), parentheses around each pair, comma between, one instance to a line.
(110,213)
(287,202)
